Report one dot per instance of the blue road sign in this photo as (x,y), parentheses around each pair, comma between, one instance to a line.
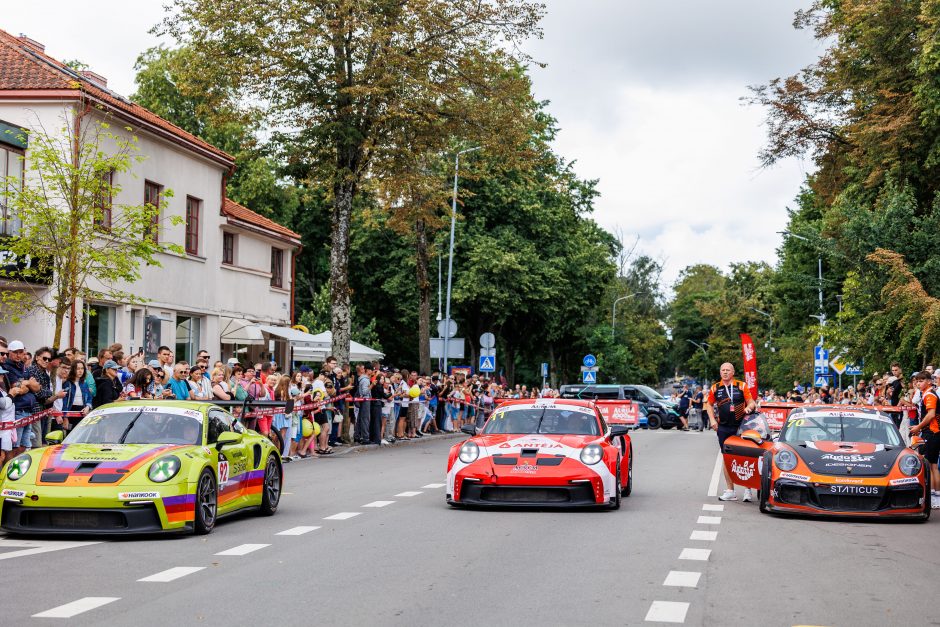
(589,361)
(487,363)
(853,371)
(589,376)
(821,380)
(821,360)
(544,369)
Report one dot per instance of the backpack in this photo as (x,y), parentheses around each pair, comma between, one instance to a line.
(240,393)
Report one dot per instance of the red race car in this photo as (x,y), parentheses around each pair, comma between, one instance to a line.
(542,453)
(831,461)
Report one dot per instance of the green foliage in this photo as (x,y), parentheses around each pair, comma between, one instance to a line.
(317,320)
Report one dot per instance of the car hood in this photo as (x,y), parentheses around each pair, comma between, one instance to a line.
(857,459)
(98,463)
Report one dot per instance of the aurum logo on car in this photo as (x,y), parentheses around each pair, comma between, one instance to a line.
(790,475)
(904,481)
(129,496)
(14,493)
(743,471)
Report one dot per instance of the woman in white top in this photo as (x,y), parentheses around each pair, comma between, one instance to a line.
(198,388)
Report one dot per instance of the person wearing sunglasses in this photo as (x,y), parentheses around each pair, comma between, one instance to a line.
(45,363)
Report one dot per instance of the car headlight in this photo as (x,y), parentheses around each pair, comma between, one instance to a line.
(164,469)
(785,460)
(469,452)
(910,465)
(18,467)
(591,454)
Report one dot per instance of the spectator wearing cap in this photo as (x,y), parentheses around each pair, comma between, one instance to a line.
(23,390)
(108,385)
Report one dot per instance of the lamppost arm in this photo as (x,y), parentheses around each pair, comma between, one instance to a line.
(613,311)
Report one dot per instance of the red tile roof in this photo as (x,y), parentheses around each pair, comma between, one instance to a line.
(243,214)
(26,71)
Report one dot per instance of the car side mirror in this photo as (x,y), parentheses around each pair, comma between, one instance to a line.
(55,437)
(228,437)
(619,430)
(752,436)
(470,430)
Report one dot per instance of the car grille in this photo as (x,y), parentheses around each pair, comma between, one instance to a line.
(849,503)
(525,495)
(73,519)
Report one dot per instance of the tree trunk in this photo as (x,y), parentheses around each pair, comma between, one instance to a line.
(340,322)
(552,367)
(424,296)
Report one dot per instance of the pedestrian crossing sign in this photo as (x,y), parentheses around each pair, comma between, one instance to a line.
(487,363)
(821,380)
(589,376)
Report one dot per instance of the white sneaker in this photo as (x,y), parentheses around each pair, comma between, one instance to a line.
(934,501)
(384,442)
(729,495)
(747,496)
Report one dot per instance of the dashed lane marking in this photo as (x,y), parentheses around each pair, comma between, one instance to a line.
(698,555)
(409,493)
(76,607)
(378,503)
(35,547)
(433,485)
(342,516)
(709,520)
(667,612)
(172,574)
(707,536)
(296,531)
(242,549)
(682,579)
(711,507)
(716,475)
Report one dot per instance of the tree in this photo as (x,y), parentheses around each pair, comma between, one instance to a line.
(344,75)
(86,245)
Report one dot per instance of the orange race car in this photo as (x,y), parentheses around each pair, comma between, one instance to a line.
(831,461)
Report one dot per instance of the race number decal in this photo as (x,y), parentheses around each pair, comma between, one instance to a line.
(223,472)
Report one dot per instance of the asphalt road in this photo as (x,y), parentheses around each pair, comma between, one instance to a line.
(366,539)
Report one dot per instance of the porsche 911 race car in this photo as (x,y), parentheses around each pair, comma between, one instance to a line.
(542,453)
(141,467)
(831,461)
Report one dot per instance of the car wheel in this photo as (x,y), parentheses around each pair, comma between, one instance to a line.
(653,421)
(271,489)
(615,504)
(627,489)
(207,501)
(765,483)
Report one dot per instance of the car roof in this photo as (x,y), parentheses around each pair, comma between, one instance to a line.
(840,412)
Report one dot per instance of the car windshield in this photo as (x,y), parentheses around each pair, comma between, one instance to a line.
(836,428)
(650,392)
(133,425)
(543,420)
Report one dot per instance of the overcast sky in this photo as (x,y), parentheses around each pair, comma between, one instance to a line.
(646,93)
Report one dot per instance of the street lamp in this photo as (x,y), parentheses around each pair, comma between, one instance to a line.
(771,319)
(613,312)
(702,346)
(450,259)
(822,312)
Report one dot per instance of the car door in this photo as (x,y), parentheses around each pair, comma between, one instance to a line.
(233,463)
(743,453)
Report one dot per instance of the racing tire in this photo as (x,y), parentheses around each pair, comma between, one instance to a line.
(615,504)
(207,503)
(765,483)
(653,421)
(271,488)
(628,489)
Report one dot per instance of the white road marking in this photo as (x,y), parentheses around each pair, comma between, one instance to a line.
(296,531)
(667,612)
(682,579)
(76,607)
(709,520)
(698,555)
(711,507)
(408,493)
(716,475)
(378,503)
(433,485)
(342,516)
(172,574)
(708,536)
(242,549)
(35,547)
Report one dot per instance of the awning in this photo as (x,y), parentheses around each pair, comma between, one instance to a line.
(240,331)
(315,355)
(357,351)
(295,337)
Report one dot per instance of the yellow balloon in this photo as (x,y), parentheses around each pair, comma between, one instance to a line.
(307,428)
(414,392)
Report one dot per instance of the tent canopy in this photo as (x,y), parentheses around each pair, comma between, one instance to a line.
(357,351)
(240,331)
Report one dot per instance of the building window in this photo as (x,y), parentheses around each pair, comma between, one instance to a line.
(277,267)
(11,165)
(228,248)
(99,328)
(193,206)
(104,203)
(152,197)
(187,338)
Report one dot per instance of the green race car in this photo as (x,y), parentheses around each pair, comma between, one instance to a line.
(140,467)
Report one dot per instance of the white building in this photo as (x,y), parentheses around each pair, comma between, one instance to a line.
(238,268)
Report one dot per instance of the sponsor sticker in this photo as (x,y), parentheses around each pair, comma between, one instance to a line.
(852,459)
(14,493)
(743,471)
(524,468)
(860,490)
(133,496)
(846,480)
(904,481)
(223,472)
(790,475)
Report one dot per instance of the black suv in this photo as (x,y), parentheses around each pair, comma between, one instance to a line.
(660,412)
